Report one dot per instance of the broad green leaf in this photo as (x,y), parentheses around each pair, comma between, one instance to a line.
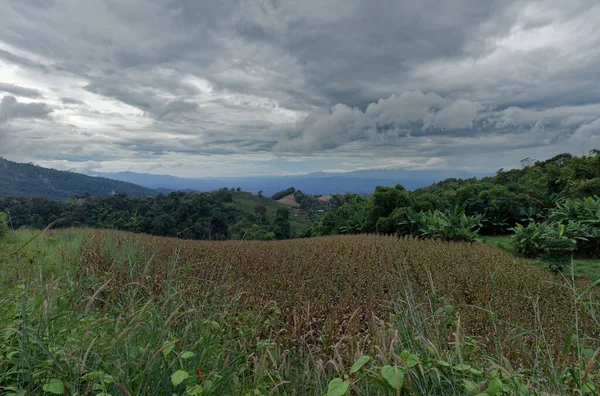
(471,386)
(168,349)
(17,393)
(589,387)
(462,367)
(108,379)
(195,390)
(55,386)
(494,387)
(207,387)
(359,363)
(588,353)
(444,364)
(337,387)
(187,355)
(91,376)
(412,360)
(475,371)
(178,377)
(394,376)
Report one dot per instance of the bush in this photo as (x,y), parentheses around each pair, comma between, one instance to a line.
(549,239)
(3,225)
(573,227)
(448,225)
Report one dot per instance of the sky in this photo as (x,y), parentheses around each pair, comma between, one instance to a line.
(199,88)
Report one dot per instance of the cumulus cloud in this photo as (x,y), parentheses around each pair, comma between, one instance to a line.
(389,119)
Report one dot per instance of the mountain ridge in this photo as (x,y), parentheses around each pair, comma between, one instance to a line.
(29,180)
(363,181)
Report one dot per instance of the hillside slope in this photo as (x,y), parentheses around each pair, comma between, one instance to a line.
(28,180)
(247,202)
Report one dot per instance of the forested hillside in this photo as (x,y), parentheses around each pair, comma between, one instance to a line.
(502,201)
(28,180)
(218,215)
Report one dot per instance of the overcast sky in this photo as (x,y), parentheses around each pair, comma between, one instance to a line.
(223,88)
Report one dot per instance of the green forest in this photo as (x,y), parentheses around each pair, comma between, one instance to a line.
(218,215)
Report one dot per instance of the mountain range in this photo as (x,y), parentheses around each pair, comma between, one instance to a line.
(323,183)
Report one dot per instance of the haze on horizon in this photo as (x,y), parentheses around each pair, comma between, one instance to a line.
(240,87)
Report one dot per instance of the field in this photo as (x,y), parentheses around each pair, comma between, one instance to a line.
(105,312)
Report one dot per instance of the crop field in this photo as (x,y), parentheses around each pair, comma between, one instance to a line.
(98,312)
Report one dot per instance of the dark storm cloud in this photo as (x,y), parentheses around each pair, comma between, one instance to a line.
(288,79)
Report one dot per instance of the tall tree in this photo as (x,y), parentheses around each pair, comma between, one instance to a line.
(281,224)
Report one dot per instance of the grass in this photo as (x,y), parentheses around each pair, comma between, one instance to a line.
(105,312)
(584,269)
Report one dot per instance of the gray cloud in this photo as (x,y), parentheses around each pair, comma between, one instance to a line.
(134,83)
(72,101)
(20,91)
(390,119)
(10,108)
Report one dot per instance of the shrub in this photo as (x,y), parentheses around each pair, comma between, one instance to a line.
(449,225)
(572,227)
(553,240)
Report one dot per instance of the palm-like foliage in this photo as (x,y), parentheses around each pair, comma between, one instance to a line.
(572,227)
(449,225)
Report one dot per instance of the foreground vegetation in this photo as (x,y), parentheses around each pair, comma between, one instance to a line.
(105,312)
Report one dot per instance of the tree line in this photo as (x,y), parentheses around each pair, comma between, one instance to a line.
(193,215)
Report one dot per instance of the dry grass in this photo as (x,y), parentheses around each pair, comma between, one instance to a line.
(331,290)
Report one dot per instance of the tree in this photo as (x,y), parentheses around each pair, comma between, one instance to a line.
(164,225)
(261,211)
(260,194)
(3,225)
(283,193)
(527,162)
(281,224)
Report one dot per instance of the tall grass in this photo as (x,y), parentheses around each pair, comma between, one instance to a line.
(112,313)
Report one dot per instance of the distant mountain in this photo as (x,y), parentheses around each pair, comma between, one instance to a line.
(28,180)
(312,183)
